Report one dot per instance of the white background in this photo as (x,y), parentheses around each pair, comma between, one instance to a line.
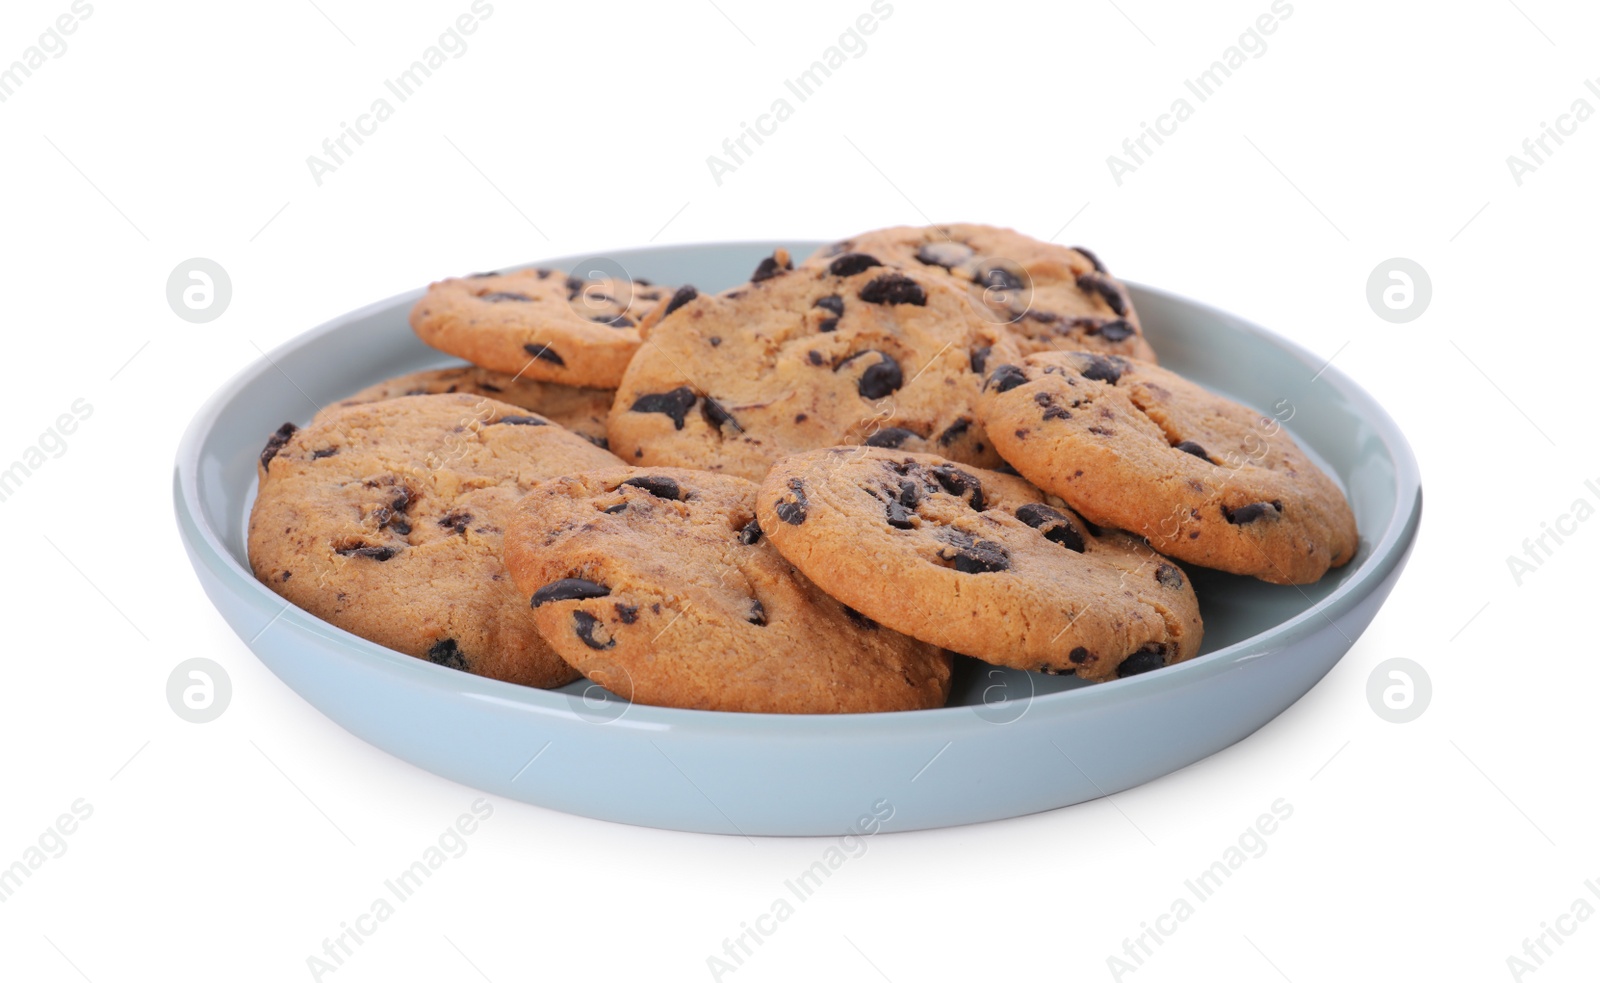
(1367,130)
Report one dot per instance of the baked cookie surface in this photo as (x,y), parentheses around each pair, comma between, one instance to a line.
(854,352)
(1050,297)
(583,411)
(539,324)
(978,562)
(1200,477)
(658,584)
(386,519)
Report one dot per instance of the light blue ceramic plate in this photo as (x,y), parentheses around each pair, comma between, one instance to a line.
(1010,743)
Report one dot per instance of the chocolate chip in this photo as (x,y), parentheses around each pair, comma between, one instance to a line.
(1054,526)
(881,378)
(629,613)
(480,276)
(716,415)
(683,295)
(828,324)
(852,263)
(448,654)
(1168,575)
(890,437)
(1057,413)
(1190,447)
(521,421)
(1079,655)
(1099,267)
(751,533)
(1097,283)
(793,512)
(276,441)
(1118,330)
(1005,468)
(897,515)
(584,624)
(776,264)
(544,354)
(910,494)
(1005,378)
(999,278)
(955,431)
(457,522)
(946,254)
(658,485)
(574,287)
(318,455)
(1102,368)
(501,296)
(958,483)
(815,358)
(674,404)
(979,358)
(615,320)
(616,509)
(968,555)
(1102,431)
(894,288)
(379,553)
(861,621)
(1152,656)
(1246,514)
(758,614)
(832,302)
(569,589)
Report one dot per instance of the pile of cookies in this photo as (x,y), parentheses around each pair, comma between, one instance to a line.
(805,494)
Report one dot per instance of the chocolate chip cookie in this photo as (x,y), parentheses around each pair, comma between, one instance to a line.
(1200,477)
(853,352)
(977,562)
(1051,297)
(539,324)
(658,584)
(583,411)
(386,519)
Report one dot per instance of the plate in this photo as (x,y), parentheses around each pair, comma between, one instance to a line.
(1010,743)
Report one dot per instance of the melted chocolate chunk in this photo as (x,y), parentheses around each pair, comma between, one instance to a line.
(751,533)
(852,263)
(861,621)
(832,302)
(1245,514)
(1151,656)
(793,512)
(1168,575)
(502,296)
(1096,283)
(629,613)
(544,354)
(716,415)
(1054,526)
(881,378)
(890,437)
(772,266)
(1005,378)
(1118,330)
(1102,368)
(1190,447)
(828,324)
(1079,655)
(658,485)
(448,654)
(1099,267)
(379,553)
(616,509)
(674,404)
(276,441)
(968,555)
(815,358)
(979,358)
(584,624)
(999,278)
(569,589)
(683,295)
(894,288)
(318,455)
(955,431)
(959,483)
(615,320)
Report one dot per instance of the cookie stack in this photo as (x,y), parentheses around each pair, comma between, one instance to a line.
(805,494)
